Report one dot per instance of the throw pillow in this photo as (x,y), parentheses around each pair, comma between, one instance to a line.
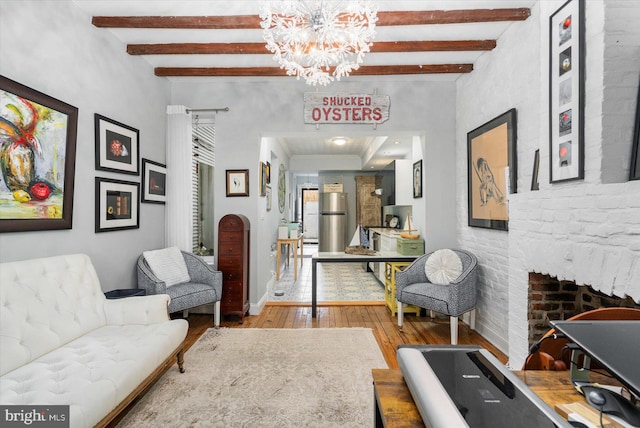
(168,265)
(442,267)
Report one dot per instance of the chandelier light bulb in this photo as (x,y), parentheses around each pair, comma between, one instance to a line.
(319,40)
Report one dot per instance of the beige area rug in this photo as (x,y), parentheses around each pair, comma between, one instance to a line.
(318,377)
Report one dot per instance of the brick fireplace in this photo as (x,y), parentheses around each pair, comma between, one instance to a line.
(551,299)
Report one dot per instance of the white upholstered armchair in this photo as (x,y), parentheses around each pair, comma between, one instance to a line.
(201,284)
(454,296)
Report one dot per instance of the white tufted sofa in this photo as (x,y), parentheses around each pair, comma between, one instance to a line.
(63,343)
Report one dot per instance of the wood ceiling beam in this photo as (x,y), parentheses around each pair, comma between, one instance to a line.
(197,48)
(463,16)
(246,22)
(382,70)
(434,46)
(259,48)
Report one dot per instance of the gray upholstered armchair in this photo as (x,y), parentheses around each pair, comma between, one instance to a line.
(454,299)
(204,287)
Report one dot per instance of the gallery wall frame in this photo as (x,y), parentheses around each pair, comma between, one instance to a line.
(268,198)
(237,182)
(492,171)
(417,179)
(117,146)
(268,172)
(566,92)
(39,136)
(117,205)
(634,171)
(263,179)
(282,188)
(535,184)
(154,182)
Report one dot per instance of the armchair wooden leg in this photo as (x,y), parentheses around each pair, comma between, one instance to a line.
(400,314)
(181,360)
(216,314)
(454,330)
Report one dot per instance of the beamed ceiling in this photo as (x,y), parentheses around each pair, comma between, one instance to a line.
(212,39)
(224,38)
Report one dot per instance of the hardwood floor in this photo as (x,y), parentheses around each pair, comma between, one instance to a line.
(416,330)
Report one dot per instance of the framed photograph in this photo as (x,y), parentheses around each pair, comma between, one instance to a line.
(154,182)
(492,171)
(117,205)
(282,188)
(634,173)
(566,92)
(535,185)
(117,146)
(263,179)
(417,179)
(38,159)
(268,198)
(268,173)
(237,182)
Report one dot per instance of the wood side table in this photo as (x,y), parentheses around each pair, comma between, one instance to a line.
(395,408)
(295,243)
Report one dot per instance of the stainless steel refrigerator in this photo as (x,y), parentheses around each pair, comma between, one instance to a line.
(333,222)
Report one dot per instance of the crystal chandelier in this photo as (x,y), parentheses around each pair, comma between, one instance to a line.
(319,40)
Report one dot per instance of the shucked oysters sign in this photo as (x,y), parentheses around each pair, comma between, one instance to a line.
(345,108)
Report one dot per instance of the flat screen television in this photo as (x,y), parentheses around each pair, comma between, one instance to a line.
(614,344)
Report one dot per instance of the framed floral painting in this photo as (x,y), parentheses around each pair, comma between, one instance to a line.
(37,159)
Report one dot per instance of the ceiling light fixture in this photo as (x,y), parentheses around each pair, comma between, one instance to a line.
(339,141)
(319,40)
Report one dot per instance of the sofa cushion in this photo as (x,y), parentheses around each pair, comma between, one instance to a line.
(442,267)
(95,372)
(46,303)
(168,265)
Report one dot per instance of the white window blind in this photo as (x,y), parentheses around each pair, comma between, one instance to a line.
(203,143)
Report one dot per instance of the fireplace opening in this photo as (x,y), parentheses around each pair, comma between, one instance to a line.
(551,299)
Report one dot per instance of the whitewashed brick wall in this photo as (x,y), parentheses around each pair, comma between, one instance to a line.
(581,230)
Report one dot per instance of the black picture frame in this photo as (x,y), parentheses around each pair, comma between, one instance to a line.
(535,184)
(417,179)
(263,179)
(154,182)
(117,205)
(634,170)
(566,92)
(117,146)
(492,171)
(237,182)
(268,192)
(268,172)
(41,197)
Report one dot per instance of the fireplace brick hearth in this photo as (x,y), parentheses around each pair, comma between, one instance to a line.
(551,299)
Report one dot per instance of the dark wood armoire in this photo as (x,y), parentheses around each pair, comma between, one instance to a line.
(233,261)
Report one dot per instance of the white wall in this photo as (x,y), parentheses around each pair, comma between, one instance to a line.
(52,47)
(580,230)
(275,106)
